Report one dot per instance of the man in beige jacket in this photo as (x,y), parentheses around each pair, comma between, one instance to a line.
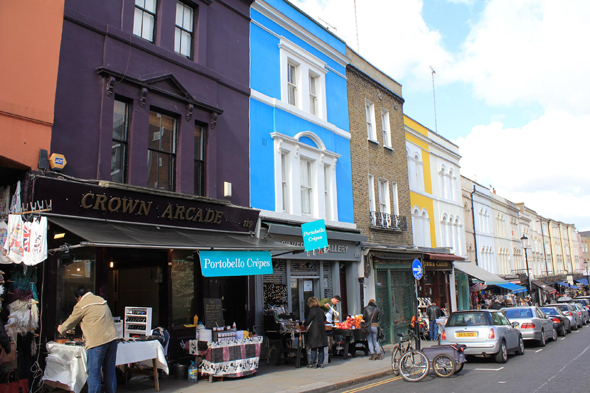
(100,336)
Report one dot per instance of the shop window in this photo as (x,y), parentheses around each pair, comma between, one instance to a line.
(183,33)
(182,277)
(120,140)
(199,160)
(161,151)
(69,277)
(145,19)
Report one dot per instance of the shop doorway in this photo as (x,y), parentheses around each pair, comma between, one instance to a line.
(395,297)
(301,290)
(138,278)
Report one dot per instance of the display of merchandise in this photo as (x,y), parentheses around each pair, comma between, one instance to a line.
(275,293)
(138,321)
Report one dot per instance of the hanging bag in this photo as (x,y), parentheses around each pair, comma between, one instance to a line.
(16,386)
(367,327)
(7,357)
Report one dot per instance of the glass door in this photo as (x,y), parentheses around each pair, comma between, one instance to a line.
(301,290)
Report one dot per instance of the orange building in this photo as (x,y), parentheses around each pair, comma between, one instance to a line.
(30,38)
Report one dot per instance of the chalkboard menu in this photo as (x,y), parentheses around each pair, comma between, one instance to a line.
(213,313)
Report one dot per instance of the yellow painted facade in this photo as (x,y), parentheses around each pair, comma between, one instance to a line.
(419,199)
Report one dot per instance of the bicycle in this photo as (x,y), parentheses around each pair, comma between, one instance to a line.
(414,365)
(401,349)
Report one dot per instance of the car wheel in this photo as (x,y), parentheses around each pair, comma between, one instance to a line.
(575,326)
(569,328)
(562,332)
(502,355)
(554,335)
(542,340)
(520,350)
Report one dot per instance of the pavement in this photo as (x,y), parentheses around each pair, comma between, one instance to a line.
(286,378)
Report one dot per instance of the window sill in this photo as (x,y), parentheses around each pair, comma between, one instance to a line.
(373,141)
(389,148)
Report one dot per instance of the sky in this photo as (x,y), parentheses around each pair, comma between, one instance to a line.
(510,86)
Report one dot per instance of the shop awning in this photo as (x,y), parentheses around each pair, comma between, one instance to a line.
(512,287)
(574,287)
(543,286)
(479,273)
(582,281)
(295,230)
(442,257)
(563,284)
(118,234)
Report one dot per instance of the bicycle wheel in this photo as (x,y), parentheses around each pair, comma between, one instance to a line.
(395,357)
(459,367)
(414,366)
(443,365)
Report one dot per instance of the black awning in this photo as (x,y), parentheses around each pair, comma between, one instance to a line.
(119,234)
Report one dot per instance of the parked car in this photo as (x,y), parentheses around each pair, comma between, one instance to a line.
(561,323)
(533,323)
(569,312)
(582,312)
(484,333)
(584,302)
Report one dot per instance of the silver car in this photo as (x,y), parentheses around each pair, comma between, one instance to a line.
(484,332)
(582,312)
(570,312)
(533,323)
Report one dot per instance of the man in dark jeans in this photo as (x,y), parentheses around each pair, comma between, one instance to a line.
(433,312)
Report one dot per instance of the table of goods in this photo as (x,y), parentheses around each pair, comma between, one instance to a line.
(231,358)
(350,334)
(67,365)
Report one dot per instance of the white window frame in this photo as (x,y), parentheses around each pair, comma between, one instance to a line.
(307,66)
(141,12)
(285,181)
(313,79)
(385,125)
(292,79)
(184,29)
(307,188)
(370,120)
(321,160)
(395,199)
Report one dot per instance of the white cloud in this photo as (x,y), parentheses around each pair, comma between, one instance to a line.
(530,51)
(542,164)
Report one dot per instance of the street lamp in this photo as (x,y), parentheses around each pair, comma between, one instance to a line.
(586,270)
(525,245)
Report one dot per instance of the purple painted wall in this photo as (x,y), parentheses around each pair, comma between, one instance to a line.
(101,59)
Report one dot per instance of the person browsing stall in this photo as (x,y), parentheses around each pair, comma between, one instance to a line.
(100,336)
(371,318)
(316,333)
(328,306)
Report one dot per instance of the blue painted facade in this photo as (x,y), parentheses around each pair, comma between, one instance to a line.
(271,115)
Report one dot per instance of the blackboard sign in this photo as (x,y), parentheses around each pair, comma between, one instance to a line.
(213,313)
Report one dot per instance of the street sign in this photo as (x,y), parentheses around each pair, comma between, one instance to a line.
(314,235)
(417,269)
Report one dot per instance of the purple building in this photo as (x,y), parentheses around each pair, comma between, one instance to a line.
(152,116)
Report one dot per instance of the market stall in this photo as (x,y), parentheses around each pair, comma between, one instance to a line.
(66,364)
(228,358)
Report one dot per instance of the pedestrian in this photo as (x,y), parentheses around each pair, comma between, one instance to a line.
(100,337)
(496,305)
(317,338)
(433,312)
(328,306)
(371,318)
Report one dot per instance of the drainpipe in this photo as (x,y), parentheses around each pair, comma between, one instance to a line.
(474,234)
(544,252)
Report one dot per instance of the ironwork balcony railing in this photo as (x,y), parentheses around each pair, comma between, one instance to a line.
(388,221)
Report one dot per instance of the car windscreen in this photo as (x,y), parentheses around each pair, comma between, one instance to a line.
(582,301)
(468,319)
(549,310)
(518,313)
(563,307)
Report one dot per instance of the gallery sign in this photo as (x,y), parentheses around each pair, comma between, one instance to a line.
(235,263)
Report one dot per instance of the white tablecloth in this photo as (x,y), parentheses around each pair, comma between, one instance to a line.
(67,363)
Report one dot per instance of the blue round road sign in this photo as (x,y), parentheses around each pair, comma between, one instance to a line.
(417,269)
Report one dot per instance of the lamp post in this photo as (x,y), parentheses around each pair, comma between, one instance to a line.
(524,241)
(586,270)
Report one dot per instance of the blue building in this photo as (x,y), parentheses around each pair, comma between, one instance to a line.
(300,166)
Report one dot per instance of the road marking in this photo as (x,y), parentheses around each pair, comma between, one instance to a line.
(359,389)
(489,369)
(538,351)
(563,368)
(501,381)
(563,339)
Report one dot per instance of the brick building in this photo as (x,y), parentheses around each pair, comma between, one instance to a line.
(381,192)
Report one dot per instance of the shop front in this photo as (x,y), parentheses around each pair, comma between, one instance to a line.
(142,248)
(394,289)
(298,276)
(472,282)
(437,284)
